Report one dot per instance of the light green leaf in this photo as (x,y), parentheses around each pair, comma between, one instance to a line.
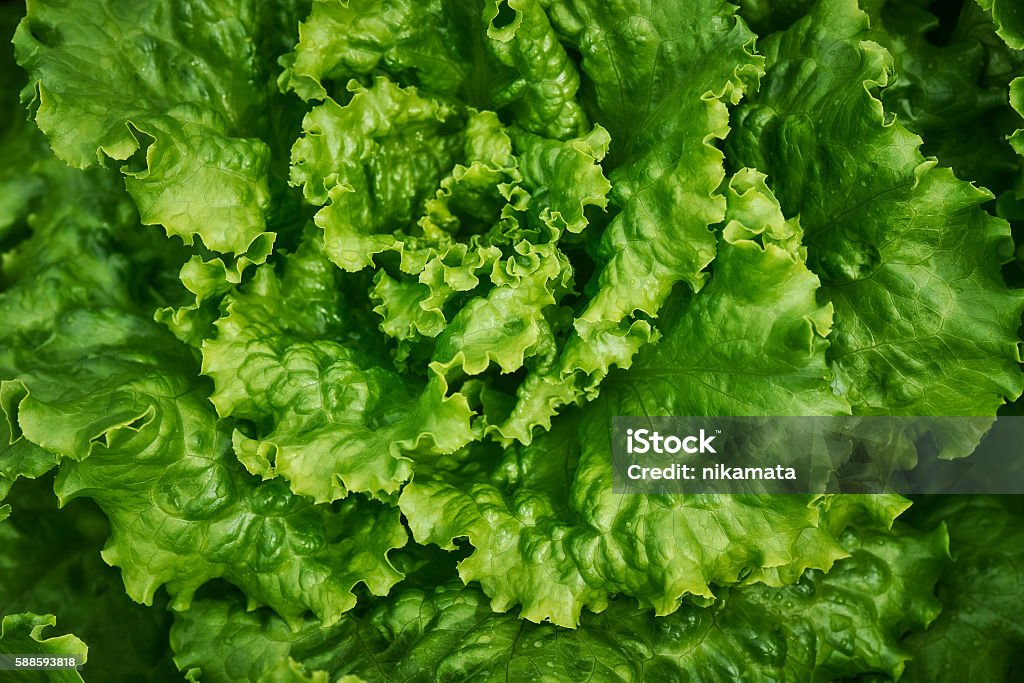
(1017,101)
(548,532)
(279,549)
(18,456)
(175,93)
(663,126)
(542,97)
(436,45)
(765,345)
(550,535)
(484,53)
(120,401)
(566,178)
(328,416)
(508,326)
(480,258)
(373,162)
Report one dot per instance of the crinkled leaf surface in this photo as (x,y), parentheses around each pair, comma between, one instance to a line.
(330,418)
(402,165)
(499,54)
(824,627)
(661,77)
(177,93)
(475,236)
(978,636)
(548,531)
(530,216)
(953,94)
(905,252)
(120,401)
(949,81)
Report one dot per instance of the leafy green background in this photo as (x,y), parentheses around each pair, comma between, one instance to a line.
(314,317)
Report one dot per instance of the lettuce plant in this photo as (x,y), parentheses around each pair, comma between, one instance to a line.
(315,317)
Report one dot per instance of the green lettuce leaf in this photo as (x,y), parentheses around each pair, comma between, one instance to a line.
(499,54)
(767,352)
(1017,101)
(419,180)
(824,627)
(176,93)
(492,207)
(953,94)
(438,46)
(118,399)
(20,143)
(905,252)
(978,636)
(46,276)
(548,532)
(666,127)
(542,95)
(19,457)
(948,83)
(1009,17)
(329,417)
(417,261)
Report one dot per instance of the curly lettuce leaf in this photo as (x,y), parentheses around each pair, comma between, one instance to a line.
(824,627)
(400,140)
(542,97)
(948,84)
(1017,102)
(952,94)
(473,215)
(500,54)
(175,93)
(373,162)
(550,535)
(905,252)
(19,457)
(155,434)
(547,533)
(661,79)
(281,550)
(766,353)
(329,417)
(120,402)
(437,46)
(46,276)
